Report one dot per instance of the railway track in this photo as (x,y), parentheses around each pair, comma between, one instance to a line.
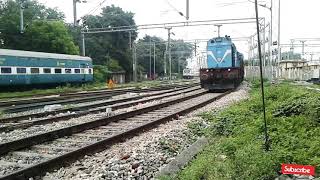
(48,95)
(35,155)
(29,104)
(25,121)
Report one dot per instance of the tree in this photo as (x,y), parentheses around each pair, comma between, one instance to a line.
(43,32)
(50,37)
(106,46)
(180,51)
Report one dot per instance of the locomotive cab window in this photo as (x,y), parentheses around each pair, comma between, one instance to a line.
(77,71)
(68,71)
(47,70)
(6,70)
(21,70)
(57,71)
(35,71)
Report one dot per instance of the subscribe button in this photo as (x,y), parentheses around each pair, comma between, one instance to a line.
(297,169)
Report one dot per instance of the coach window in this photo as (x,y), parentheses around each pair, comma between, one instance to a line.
(35,71)
(5,70)
(77,71)
(68,71)
(47,70)
(82,71)
(57,71)
(21,70)
(90,71)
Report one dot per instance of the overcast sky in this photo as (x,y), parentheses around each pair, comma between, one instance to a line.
(298,17)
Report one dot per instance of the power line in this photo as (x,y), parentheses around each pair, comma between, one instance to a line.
(174,8)
(93,10)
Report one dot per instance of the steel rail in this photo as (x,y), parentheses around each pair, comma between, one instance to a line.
(113,107)
(53,97)
(42,167)
(79,108)
(26,107)
(67,131)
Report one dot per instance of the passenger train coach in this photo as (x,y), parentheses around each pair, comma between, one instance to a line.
(34,68)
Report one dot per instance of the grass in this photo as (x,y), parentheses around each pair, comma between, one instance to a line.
(75,88)
(236,149)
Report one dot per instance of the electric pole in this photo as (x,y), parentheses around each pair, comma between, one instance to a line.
(279,50)
(75,20)
(154,61)
(134,62)
(165,61)
(195,49)
(83,45)
(22,3)
(187,10)
(219,26)
(130,40)
(302,55)
(169,51)
(75,13)
(150,57)
(291,49)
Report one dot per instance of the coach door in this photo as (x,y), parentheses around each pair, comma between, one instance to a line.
(83,72)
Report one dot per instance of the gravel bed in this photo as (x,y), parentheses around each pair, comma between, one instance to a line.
(38,129)
(141,156)
(58,106)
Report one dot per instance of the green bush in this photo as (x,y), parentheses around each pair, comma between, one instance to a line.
(237,149)
(101,73)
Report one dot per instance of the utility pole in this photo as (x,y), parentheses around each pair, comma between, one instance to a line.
(130,40)
(187,10)
(195,49)
(279,50)
(169,51)
(75,13)
(271,7)
(150,57)
(291,49)
(154,61)
(264,43)
(219,26)
(165,61)
(134,63)
(261,80)
(83,45)
(303,41)
(21,16)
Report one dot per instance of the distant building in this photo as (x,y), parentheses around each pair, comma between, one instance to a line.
(299,69)
(293,69)
(118,77)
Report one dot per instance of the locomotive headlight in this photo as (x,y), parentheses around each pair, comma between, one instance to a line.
(207,70)
(229,70)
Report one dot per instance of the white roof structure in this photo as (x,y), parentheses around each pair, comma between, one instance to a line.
(18,53)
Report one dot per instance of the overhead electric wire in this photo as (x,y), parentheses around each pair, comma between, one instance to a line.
(93,10)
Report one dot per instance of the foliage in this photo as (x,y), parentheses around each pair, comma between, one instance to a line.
(50,37)
(105,47)
(101,73)
(44,29)
(237,133)
(169,145)
(197,128)
(180,51)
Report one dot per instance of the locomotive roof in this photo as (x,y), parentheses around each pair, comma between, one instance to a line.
(19,53)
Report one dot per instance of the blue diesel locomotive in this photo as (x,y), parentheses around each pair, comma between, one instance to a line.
(35,68)
(225,69)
